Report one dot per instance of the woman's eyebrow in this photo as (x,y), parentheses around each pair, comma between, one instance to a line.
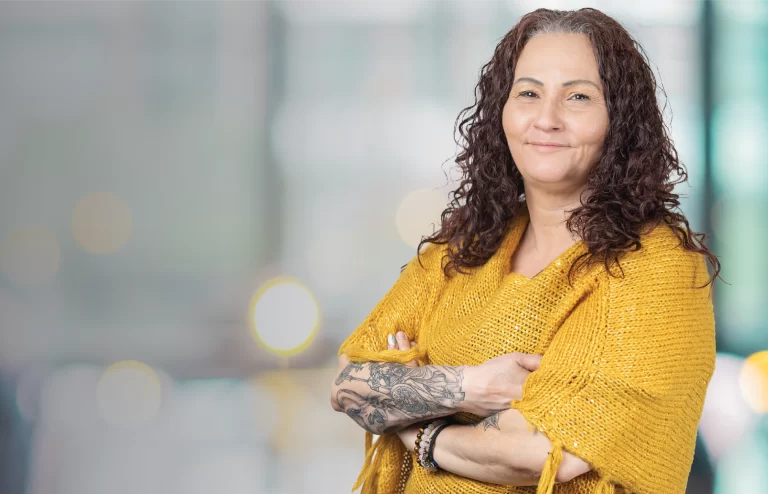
(565,84)
(528,79)
(580,81)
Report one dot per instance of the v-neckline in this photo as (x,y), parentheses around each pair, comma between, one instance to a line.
(511,242)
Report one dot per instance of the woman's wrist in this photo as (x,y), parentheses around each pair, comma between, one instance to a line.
(469,388)
(441,453)
(424,444)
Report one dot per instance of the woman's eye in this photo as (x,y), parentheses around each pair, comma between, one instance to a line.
(525,94)
(584,97)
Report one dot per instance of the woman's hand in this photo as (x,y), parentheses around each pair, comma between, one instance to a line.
(400,341)
(491,386)
(488,387)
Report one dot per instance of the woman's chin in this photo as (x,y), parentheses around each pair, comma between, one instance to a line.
(548,178)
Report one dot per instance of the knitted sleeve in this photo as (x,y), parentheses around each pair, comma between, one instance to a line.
(626,394)
(401,309)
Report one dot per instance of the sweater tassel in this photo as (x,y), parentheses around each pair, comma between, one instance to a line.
(355,354)
(368,464)
(549,474)
(368,477)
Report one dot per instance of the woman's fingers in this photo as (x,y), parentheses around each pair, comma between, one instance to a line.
(403,343)
(412,363)
(530,361)
(400,341)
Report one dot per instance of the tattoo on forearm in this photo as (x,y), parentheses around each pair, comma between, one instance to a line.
(492,421)
(395,395)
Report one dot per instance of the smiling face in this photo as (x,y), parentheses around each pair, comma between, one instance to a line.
(556,99)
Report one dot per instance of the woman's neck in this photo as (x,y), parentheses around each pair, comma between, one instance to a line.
(547,232)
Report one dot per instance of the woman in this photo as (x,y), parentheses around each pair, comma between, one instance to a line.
(563,240)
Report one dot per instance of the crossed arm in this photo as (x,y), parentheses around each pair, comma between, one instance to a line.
(385,397)
(388,397)
(500,450)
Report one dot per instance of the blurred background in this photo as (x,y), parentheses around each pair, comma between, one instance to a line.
(200,200)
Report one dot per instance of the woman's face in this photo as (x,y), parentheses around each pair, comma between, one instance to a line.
(556,99)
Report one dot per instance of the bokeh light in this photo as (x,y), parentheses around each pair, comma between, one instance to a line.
(753,381)
(284,316)
(417,212)
(102,223)
(129,394)
(726,417)
(30,256)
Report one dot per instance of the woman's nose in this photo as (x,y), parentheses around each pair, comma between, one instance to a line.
(548,116)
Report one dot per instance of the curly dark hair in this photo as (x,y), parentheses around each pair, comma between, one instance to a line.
(630,189)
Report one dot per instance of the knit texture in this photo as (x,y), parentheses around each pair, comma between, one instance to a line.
(626,363)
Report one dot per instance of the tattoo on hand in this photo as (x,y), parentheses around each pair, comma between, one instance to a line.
(398,394)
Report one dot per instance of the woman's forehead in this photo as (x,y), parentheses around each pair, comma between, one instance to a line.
(558,57)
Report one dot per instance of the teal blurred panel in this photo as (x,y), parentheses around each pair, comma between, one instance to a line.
(740,173)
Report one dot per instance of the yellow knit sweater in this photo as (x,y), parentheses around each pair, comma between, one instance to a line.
(625,369)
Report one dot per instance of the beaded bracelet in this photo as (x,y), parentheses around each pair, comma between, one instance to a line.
(423,431)
(425,440)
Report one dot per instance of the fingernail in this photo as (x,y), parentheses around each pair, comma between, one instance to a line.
(401,335)
(391,340)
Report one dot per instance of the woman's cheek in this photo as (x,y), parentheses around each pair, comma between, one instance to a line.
(592,129)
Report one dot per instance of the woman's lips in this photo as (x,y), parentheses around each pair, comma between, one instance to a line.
(547,148)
